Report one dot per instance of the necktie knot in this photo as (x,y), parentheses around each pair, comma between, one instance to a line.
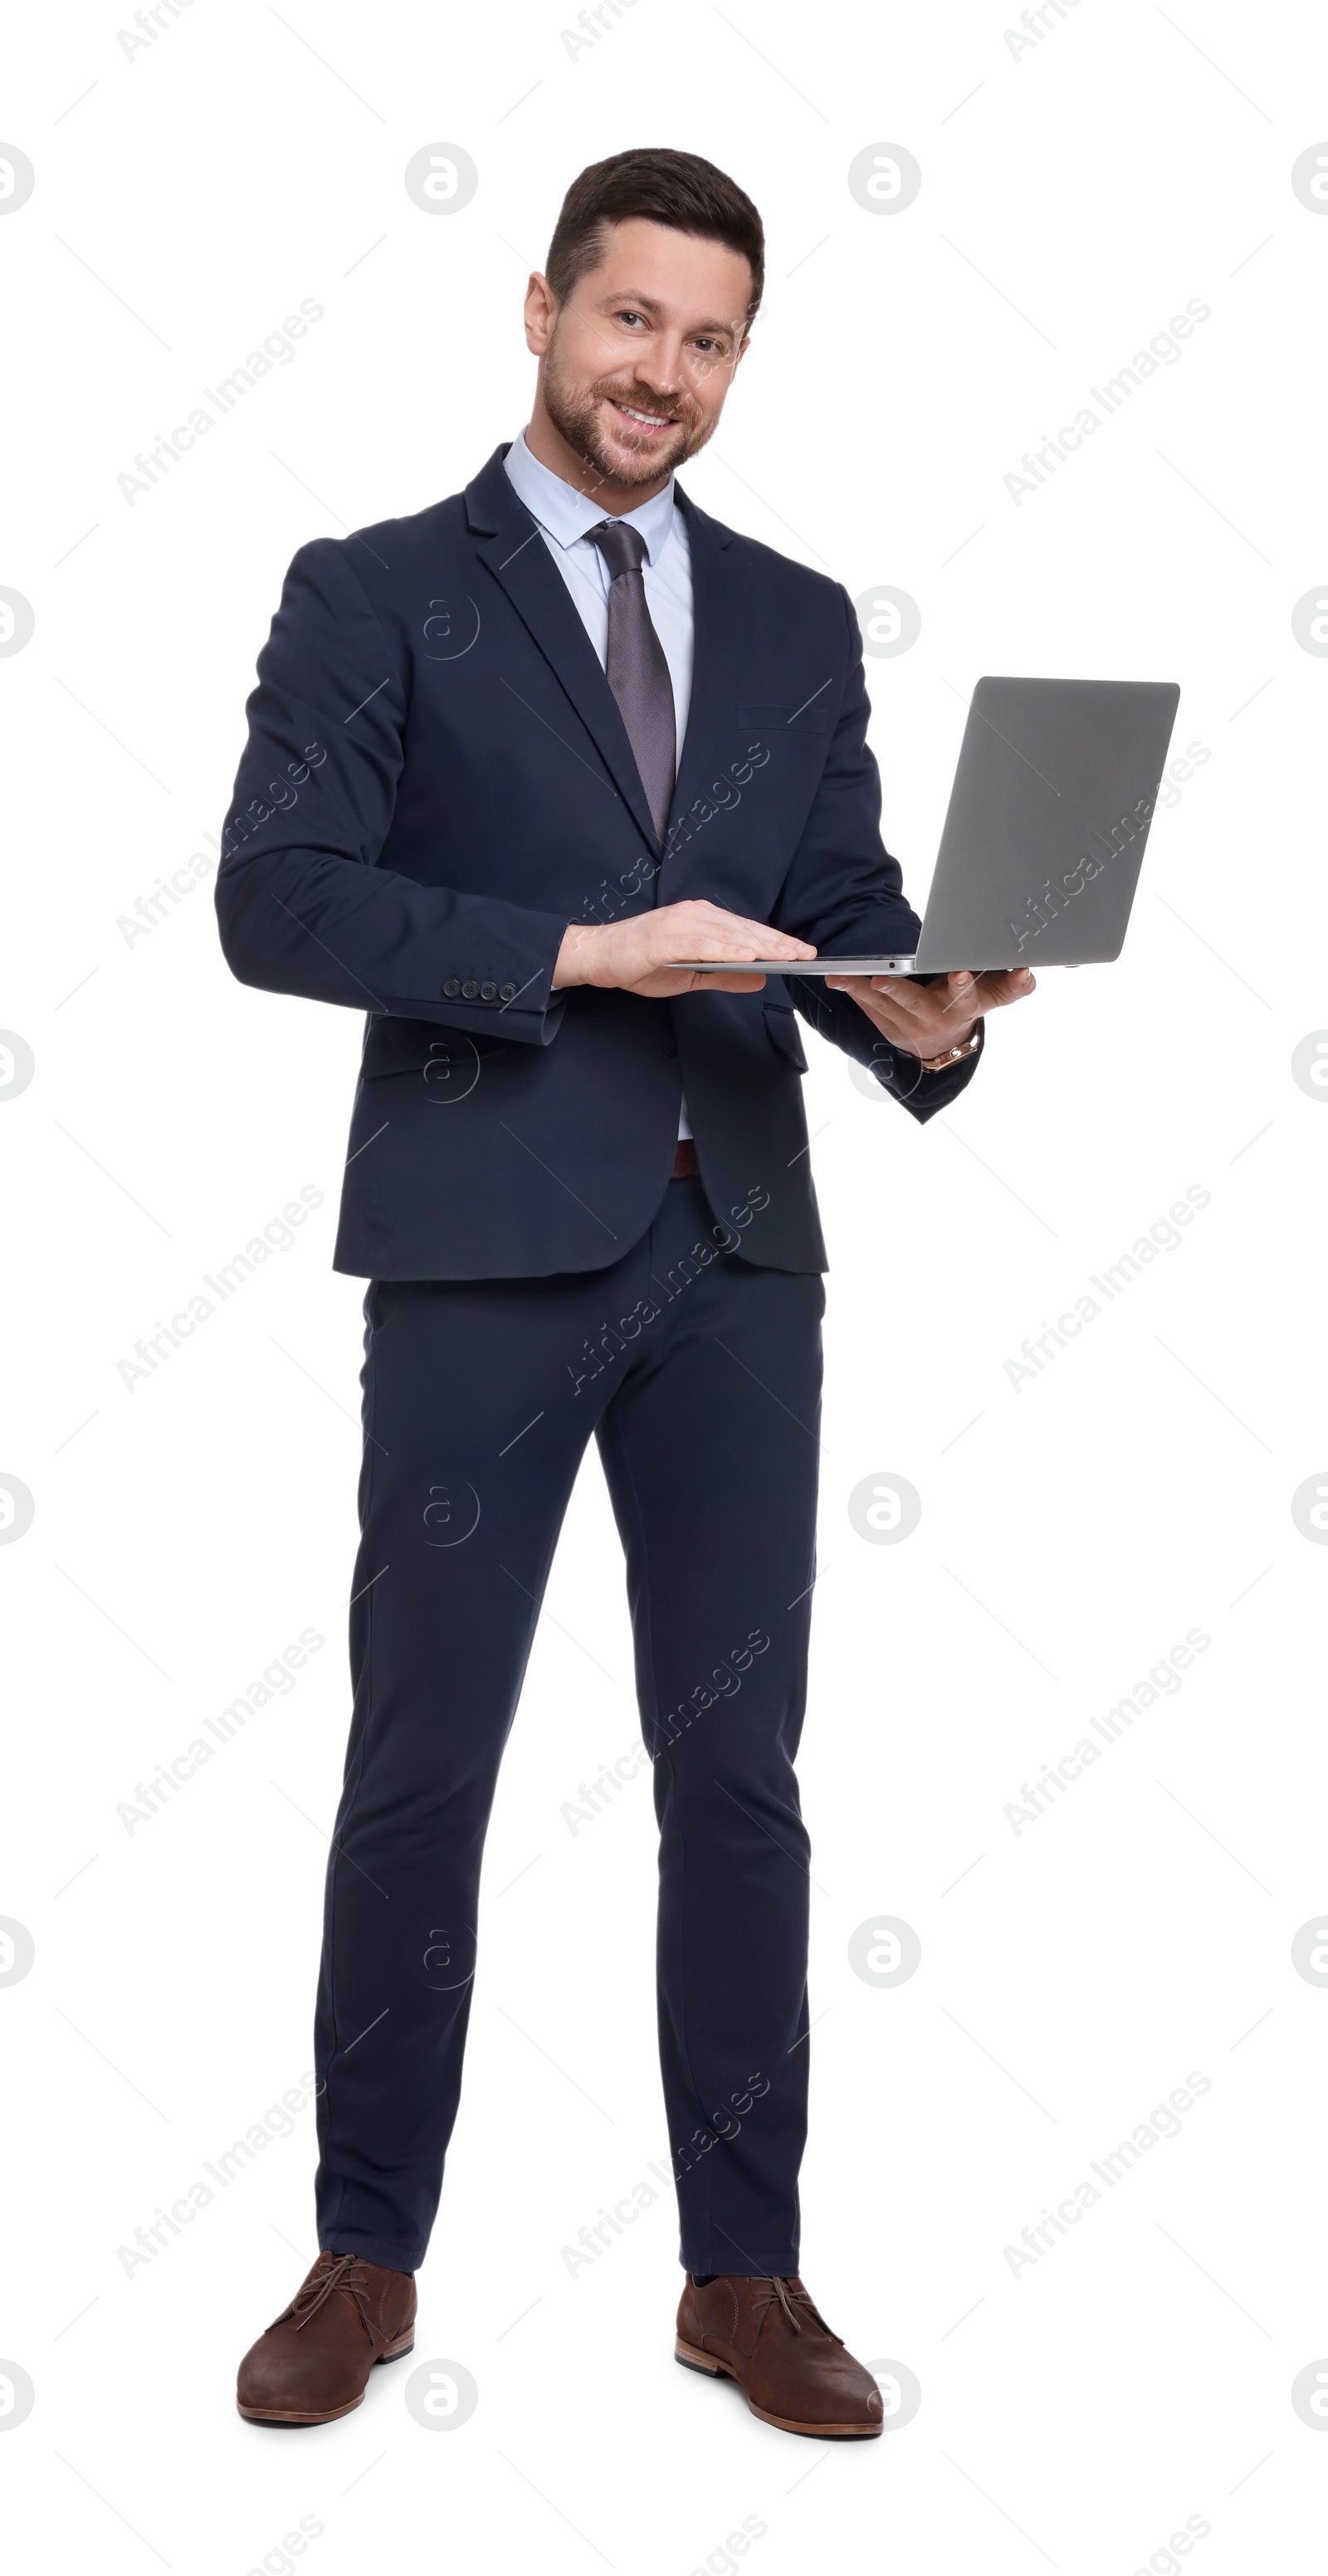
(623,548)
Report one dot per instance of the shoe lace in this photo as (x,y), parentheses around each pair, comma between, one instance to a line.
(780,2293)
(344,2272)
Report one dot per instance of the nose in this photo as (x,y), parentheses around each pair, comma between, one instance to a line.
(659,370)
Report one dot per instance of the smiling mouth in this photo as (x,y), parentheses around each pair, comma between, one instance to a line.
(648,420)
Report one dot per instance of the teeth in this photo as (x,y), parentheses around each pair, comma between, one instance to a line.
(650,419)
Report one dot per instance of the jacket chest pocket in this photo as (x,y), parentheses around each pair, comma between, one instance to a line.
(816,716)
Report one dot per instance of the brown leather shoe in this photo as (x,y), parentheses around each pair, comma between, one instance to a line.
(767,2335)
(314,2361)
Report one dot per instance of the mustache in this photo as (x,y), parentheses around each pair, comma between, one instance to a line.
(683,413)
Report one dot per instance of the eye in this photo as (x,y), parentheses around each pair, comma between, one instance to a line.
(629,316)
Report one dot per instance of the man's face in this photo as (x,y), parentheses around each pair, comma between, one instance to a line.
(636,364)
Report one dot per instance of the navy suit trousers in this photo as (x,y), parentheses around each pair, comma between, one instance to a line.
(699,1374)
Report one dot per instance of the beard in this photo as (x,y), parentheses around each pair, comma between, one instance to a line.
(574,410)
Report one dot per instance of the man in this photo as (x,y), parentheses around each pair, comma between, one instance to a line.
(506,760)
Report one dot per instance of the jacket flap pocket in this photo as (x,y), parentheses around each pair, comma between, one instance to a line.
(782,1022)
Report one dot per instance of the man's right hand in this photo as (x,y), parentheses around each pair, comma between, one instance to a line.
(632,954)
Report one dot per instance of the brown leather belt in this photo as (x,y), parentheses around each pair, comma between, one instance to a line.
(684,1161)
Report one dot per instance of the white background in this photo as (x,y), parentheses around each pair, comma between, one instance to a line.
(1073,198)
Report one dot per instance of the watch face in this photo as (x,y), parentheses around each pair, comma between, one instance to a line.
(952,1055)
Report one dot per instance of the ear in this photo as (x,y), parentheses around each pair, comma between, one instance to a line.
(541,313)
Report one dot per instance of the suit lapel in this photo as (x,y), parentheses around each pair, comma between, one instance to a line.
(512,548)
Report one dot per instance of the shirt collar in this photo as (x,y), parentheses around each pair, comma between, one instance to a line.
(565,514)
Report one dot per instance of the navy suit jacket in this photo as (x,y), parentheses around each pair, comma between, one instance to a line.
(437,781)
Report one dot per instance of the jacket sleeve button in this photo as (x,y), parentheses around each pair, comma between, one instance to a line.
(488,992)
(508,992)
(451,987)
(468,991)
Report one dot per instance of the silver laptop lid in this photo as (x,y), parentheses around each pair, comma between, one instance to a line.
(1047,822)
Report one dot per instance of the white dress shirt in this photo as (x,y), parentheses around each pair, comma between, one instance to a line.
(563,516)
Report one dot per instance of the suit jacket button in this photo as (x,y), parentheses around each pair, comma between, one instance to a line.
(451,987)
(508,992)
(469,991)
(488,992)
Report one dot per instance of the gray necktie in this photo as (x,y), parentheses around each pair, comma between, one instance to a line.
(636,669)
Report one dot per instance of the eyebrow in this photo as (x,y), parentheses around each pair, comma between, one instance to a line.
(648,304)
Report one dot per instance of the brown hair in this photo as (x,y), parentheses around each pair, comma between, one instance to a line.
(673,188)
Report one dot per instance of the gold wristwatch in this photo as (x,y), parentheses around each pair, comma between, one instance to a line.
(954,1054)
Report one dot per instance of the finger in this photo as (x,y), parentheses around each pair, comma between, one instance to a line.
(871,994)
(776,943)
(731,952)
(760,938)
(710,950)
(954,997)
(861,988)
(908,998)
(1009,987)
(657,985)
(876,1006)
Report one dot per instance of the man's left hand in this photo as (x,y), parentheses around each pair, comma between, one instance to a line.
(924,1019)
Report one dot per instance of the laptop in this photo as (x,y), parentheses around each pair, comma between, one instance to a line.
(1044,836)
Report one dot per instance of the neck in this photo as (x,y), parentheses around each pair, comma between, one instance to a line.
(547,442)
